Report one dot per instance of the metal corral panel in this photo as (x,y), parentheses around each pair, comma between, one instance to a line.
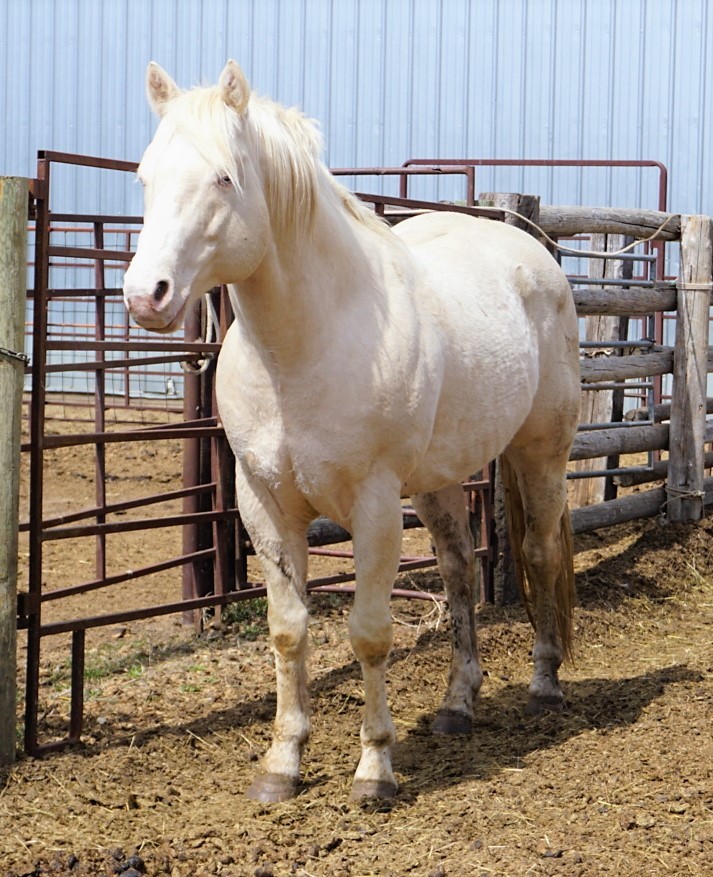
(388,80)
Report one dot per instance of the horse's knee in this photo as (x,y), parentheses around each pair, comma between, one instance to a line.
(288,632)
(371,639)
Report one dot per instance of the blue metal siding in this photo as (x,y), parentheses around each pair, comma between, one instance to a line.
(387,80)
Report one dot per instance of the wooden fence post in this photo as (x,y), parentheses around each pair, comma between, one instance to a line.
(684,487)
(13,292)
(598,406)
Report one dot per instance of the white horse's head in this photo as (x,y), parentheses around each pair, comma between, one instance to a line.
(206,218)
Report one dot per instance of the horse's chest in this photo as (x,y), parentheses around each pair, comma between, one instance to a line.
(276,450)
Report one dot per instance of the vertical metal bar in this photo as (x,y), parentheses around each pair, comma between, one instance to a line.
(221,567)
(100,400)
(223,476)
(191,471)
(37,427)
(470,185)
(205,569)
(127,325)
(76,716)
(487,536)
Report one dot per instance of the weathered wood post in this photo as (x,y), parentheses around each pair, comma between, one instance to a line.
(684,487)
(504,579)
(598,406)
(13,291)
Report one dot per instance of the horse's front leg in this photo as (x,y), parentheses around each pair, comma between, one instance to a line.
(377,525)
(280,543)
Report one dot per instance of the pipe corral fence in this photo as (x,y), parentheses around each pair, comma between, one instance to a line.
(99,383)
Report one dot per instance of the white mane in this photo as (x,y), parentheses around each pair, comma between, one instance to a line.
(285,145)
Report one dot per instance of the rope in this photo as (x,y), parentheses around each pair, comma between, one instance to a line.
(683,492)
(585,253)
(211,330)
(673,493)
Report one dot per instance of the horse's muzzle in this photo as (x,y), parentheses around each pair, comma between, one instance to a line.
(153,306)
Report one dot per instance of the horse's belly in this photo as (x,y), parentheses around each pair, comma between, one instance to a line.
(456,452)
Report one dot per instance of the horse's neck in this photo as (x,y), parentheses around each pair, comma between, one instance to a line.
(295,298)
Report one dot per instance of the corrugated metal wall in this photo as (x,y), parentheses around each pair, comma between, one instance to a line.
(388,80)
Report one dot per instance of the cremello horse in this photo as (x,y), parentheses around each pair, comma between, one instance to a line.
(364,364)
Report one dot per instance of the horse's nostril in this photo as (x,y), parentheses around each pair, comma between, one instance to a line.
(160,292)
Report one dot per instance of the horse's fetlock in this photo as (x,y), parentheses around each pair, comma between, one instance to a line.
(379,738)
(383,741)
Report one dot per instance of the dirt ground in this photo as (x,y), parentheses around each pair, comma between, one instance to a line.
(622,783)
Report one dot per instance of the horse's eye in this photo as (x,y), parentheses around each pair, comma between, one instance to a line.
(224,182)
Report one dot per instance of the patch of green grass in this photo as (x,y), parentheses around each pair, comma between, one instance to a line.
(107,661)
(330,600)
(204,677)
(249,616)
(110,659)
(189,687)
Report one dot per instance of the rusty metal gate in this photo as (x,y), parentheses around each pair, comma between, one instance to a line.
(108,358)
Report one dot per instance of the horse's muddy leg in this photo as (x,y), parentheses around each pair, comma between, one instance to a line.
(546,552)
(377,525)
(282,549)
(446,516)
(287,619)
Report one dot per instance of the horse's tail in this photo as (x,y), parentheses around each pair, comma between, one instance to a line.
(564,584)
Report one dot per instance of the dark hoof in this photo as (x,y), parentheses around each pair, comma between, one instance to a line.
(538,705)
(373,789)
(271,788)
(451,722)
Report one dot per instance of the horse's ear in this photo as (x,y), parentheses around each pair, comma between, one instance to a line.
(234,87)
(160,88)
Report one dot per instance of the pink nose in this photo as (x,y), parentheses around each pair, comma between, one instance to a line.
(149,309)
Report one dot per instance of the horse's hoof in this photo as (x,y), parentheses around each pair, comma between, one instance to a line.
(272,788)
(537,705)
(452,722)
(373,789)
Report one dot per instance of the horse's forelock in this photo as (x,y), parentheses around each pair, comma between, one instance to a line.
(201,117)
(283,143)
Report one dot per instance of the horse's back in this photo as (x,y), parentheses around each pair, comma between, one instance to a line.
(485,251)
(487,278)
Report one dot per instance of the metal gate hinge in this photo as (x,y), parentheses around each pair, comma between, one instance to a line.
(38,189)
(28,605)
(14,356)
(37,192)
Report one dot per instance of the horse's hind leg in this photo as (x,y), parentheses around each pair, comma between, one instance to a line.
(446,516)
(538,499)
